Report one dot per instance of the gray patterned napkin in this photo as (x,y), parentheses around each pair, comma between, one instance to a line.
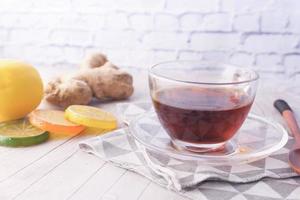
(187,177)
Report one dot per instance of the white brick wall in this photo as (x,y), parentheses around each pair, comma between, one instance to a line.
(166,22)
(274,21)
(246,23)
(217,22)
(214,41)
(263,34)
(190,21)
(263,43)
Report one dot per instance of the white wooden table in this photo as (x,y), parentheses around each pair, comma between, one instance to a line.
(57,169)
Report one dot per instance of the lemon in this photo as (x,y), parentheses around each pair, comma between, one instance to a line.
(21,133)
(91,117)
(21,89)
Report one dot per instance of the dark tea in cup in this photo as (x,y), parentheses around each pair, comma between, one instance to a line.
(201,116)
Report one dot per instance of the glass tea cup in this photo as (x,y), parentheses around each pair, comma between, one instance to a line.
(201,105)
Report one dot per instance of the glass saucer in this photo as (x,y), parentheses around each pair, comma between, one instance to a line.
(257,138)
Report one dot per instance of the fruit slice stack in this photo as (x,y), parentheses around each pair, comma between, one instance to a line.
(40,123)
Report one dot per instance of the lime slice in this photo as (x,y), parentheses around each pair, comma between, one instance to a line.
(91,117)
(21,133)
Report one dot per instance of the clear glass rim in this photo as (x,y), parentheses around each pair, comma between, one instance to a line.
(152,73)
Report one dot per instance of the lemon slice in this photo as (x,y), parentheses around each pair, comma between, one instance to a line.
(91,117)
(21,133)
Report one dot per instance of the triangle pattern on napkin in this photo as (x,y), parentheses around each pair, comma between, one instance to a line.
(264,190)
(112,150)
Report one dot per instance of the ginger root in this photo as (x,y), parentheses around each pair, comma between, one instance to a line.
(97,78)
(94,60)
(62,93)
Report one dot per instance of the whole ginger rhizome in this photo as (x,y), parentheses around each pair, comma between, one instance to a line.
(97,78)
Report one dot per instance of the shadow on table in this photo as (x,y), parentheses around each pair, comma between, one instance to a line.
(86,132)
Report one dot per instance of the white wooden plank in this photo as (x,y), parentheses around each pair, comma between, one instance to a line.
(22,157)
(129,186)
(154,191)
(5,150)
(63,180)
(25,177)
(101,182)
(7,153)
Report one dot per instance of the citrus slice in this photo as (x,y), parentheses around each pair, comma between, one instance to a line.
(21,133)
(91,117)
(54,121)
